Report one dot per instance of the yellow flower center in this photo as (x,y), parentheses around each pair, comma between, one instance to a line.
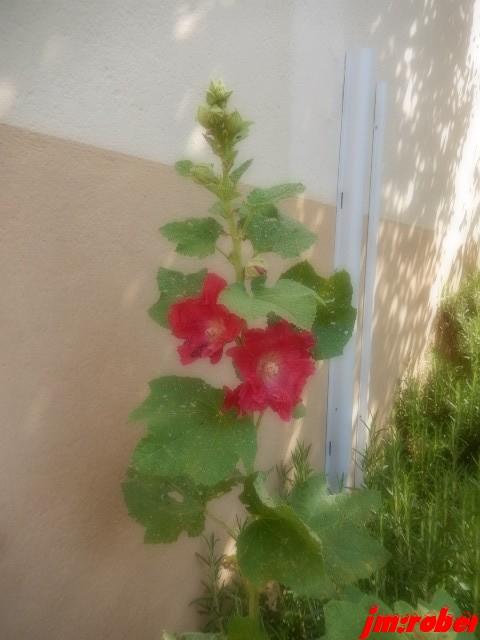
(213,330)
(270,368)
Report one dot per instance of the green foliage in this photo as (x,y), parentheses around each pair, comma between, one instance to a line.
(426,465)
(221,598)
(282,550)
(194,236)
(339,520)
(166,507)
(286,616)
(268,229)
(173,286)
(271,231)
(189,434)
(261,197)
(309,542)
(335,316)
(245,628)
(458,328)
(287,299)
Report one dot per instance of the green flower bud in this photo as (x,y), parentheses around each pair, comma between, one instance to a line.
(218,94)
(254,268)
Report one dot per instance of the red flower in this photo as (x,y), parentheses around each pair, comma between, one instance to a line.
(274,364)
(205,325)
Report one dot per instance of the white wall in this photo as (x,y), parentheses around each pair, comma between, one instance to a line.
(127,76)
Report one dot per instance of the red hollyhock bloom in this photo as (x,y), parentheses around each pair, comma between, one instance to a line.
(205,325)
(274,364)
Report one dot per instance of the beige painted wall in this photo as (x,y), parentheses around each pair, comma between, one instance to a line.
(79,254)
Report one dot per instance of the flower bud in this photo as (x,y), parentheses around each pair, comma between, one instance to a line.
(254,268)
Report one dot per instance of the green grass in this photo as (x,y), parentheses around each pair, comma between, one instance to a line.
(426,463)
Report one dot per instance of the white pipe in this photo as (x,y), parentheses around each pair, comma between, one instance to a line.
(352,206)
(370,271)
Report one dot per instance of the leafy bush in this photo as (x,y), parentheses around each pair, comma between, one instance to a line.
(426,465)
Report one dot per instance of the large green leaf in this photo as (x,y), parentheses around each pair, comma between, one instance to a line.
(335,316)
(317,505)
(193,236)
(279,545)
(259,197)
(245,629)
(189,433)
(165,507)
(339,520)
(272,231)
(287,299)
(174,286)
(276,549)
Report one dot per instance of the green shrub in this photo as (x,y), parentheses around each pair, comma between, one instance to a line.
(426,464)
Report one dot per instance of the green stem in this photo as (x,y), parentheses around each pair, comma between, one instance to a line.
(235,258)
(236,255)
(253,601)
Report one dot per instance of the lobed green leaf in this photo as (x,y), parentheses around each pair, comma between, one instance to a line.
(271,231)
(339,520)
(195,237)
(278,545)
(309,542)
(189,433)
(259,197)
(165,507)
(335,316)
(286,299)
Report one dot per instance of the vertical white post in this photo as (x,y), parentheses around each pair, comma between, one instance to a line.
(352,207)
(370,271)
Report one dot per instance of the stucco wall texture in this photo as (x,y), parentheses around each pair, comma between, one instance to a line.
(97,101)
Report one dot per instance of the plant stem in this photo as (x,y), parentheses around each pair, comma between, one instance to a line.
(236,255)
(253,600)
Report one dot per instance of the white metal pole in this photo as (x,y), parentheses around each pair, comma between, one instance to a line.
(370,272)
(352,207)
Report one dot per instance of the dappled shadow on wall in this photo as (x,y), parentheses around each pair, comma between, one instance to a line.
(431,187)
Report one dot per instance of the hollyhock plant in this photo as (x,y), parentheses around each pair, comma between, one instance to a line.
(205,325)
(274,364)
(201,441)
